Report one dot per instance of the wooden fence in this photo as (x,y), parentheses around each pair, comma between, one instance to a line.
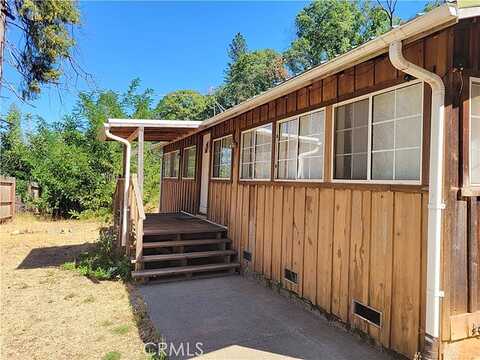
(7,198)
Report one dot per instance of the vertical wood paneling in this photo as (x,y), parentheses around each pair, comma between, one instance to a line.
(341,252)
(287,233)
(245,221)
(298,236)
(311,245)
(406,268)
(360,252)
(325,249)
(381,252)
(277,233)
(267,236)
(259,229)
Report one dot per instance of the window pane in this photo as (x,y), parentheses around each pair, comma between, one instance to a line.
(382,135)
(475,150)
(408,132)
(311,146)
(384,107)
(351,146)
(382,165)
(475,99)
(409,101)
(401,114)
(407,164)
(343,166)
(359,171)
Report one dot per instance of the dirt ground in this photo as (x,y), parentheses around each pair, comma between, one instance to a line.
(51,313)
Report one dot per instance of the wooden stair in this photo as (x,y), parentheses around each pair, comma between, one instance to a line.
(177,246)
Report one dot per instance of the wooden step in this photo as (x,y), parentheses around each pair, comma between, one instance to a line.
(186,256)
(184,270)
(162,244)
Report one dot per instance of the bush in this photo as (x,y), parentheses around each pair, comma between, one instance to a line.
(104,261)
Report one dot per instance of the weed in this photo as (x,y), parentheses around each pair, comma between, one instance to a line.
(112,355)
(121,329)
(104,262)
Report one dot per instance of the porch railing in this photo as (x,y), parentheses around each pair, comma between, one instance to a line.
(135,217)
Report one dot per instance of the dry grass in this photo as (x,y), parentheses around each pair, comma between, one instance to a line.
(50,313)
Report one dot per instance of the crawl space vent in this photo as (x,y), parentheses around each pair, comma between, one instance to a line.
(367,313)
(291,276)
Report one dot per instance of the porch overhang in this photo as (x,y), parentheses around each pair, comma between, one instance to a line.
(153,130)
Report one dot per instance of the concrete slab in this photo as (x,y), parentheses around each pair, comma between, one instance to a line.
(236,318)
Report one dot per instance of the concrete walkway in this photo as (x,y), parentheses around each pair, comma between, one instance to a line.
(236,318)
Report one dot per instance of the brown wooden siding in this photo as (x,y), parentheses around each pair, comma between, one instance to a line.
(363,241)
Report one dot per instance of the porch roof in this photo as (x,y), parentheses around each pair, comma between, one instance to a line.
(154,130)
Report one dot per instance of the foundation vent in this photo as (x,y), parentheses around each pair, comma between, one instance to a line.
(291,276)
(367,313)
(247,255)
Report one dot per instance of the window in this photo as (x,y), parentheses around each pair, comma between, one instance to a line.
(171,164)
(351,140)
(189,162)
(222,157)
(475,132)
(380,137)
(256,153)
(397,134)
(300,147)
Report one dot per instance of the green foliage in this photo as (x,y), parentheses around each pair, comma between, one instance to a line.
(112,355)
(183,105)
(46,27)
(432,4)
(328,28)
(104,261)
(251,74)
(237,47)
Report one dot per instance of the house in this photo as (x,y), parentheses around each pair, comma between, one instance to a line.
(354,185)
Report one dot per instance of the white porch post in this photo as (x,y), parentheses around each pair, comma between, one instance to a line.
(141,133)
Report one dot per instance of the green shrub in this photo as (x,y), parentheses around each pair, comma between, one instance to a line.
(104,261)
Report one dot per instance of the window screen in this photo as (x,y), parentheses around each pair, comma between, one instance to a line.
(300,147)
(351,140)
(189,162)
(170,164)
(256,153)
(475,134)
(397,134)
(222,158)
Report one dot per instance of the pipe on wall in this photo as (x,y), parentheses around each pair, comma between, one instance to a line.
(128,152)
(436,205)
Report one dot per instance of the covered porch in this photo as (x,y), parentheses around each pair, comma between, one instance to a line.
(171,245)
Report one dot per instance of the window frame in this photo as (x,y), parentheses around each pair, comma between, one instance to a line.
(212,165)
(474,186)
(185,163)
(369,179)
(178,169)
(277,134)
(253,179)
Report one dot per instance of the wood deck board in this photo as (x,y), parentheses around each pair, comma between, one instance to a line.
(159,244)
(177,223)
(184,269)
(185,256)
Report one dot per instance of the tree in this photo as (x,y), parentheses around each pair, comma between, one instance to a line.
(184,105)
(237,47)
(328,28)
(46,44)
(432,4)
(252,73)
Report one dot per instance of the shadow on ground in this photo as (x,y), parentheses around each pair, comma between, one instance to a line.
(53,256)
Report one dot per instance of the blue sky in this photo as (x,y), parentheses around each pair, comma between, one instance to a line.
(168,45)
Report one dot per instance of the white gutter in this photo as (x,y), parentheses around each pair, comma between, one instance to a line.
(126,184)
(436,205)
(439,16)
